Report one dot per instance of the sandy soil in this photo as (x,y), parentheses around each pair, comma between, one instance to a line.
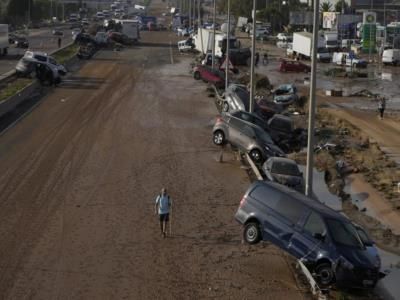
(78,181)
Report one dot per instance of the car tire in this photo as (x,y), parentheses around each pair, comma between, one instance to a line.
(256,155)
(225,107)
(196,75)
(252,233)
(324,274)
(219,137)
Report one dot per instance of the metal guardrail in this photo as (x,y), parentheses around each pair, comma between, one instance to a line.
(254,167)
(315,289)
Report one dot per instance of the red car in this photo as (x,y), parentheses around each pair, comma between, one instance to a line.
(293,66)
(207,74)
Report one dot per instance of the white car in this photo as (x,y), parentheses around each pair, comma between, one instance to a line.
(186,45)
(41,57)
(75,32)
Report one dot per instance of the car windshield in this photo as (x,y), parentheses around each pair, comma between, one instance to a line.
(344,233)
(285,168)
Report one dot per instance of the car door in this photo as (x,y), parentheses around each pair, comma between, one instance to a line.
(282,219)
(308,240)
(235,131)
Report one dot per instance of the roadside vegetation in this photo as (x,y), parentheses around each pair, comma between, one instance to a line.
(14,87)
(65,54)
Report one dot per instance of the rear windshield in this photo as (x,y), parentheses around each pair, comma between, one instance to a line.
(285,168)
(344,233)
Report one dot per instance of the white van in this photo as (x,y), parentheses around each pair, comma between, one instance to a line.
(391,56)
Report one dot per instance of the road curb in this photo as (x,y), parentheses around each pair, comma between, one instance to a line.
(12,102)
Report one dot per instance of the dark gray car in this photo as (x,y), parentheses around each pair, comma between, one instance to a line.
(326,241)
(246,136)
(284,171)
(236,97)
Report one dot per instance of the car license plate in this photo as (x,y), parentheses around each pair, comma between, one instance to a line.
(368,282)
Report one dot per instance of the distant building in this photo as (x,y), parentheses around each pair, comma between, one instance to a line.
(387,11)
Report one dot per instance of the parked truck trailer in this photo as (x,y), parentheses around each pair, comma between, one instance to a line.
(302,46)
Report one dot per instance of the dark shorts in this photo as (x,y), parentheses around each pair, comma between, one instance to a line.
(164,217)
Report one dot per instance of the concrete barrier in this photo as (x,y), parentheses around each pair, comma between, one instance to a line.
(12,102)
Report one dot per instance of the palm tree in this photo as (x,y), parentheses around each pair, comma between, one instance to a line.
(325,6)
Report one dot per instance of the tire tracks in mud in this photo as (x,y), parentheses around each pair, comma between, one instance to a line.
(60,166)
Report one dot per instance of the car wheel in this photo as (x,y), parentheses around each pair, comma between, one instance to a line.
(255,155)
(324,274)
(225,107)
(251,233)
(196,75)
(219,138)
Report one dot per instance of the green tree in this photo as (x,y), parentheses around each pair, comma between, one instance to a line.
(325,6)
(341,5)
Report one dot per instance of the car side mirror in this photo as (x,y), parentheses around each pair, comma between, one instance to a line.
(319,236)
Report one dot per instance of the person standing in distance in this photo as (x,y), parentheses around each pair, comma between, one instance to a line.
(381,106)
(162,207)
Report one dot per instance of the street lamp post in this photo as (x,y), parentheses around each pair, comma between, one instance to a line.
(213,40)
(253,55)
(311,113)
(228,36)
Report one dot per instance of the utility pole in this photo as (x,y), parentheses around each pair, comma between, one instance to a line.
(312,103)
(190,13)
(253,58)
(228,36)
(213,40)
(370,37)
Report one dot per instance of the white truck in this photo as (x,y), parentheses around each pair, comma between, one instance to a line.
(348,59)
(3,39)
(242,21)
(391,57)
(331,39)
(131,28)
(203,42)
(302,46)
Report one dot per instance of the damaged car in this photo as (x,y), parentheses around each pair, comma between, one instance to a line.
(284,171)
(246,136)
(323,239)
(285,94)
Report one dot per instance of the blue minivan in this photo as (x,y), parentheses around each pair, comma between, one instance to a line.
(327,242)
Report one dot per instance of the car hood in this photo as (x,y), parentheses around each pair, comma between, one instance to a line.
(365,258)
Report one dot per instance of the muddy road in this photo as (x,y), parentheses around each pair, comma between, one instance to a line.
(78,180)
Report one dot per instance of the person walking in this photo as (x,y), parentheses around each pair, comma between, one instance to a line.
(59,42)
(162,207)
(265,59)
(381,106)
(257,59)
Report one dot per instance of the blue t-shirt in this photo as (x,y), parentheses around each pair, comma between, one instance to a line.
(163,204)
